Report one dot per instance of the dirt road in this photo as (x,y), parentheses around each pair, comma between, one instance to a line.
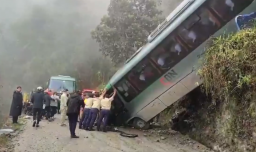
(51,137)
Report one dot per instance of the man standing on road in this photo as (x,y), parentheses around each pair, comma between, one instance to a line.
(84,124)
(54,104)
(105,110)
(94,111)
(38,100)
(48,100)
(63,106)
(74,103)
(17,103)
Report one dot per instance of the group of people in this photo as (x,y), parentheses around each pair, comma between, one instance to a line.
(96,108)
(44,104)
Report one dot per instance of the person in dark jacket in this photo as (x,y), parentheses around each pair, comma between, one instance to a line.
(38,100)
(47,100)
(74,103)
(17,103)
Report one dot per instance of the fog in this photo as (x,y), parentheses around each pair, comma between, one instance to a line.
(40,38)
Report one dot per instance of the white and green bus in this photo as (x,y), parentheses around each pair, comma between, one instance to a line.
(163,70)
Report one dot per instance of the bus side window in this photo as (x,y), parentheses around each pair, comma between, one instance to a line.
(126,90)
(228,9)
(143,75)
(169,53)
(201,30)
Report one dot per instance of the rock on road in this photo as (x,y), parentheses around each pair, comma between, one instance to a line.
(51,137)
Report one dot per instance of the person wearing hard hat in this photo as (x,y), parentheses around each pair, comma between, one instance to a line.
(37,99)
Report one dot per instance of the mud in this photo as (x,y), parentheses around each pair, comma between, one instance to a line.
(51,137)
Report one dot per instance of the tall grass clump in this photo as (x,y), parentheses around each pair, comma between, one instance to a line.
(228,71)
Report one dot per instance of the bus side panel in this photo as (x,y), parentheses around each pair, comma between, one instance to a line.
(173,94)
(151,110)
(156,89)
(191,81)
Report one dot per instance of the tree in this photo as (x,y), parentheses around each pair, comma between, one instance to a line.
(126,27)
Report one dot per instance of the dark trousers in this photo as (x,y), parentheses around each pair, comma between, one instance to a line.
(15,119)
(92,117)
(53,111)
(48,112)
(86,115)
(37,114)
(104,114)
(72,118)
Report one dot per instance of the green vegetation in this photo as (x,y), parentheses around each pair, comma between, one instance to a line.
(229,78)
(4,140)
(126,27)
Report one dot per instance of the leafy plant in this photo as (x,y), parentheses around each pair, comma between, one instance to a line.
(126,27)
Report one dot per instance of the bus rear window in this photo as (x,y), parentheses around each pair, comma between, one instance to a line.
(58,85)
(228,9)
(126,90)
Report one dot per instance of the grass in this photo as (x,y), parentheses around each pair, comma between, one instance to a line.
(5,139)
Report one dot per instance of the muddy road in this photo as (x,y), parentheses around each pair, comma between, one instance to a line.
(51,137)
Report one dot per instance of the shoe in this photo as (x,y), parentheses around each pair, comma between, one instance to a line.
(74,136)
(80,127)
(37,125)
(91,129)
(63,125)
(34,123)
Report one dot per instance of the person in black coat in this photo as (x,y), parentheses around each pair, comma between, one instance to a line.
(38,100)
(74,103)
(48,100)
(17,103)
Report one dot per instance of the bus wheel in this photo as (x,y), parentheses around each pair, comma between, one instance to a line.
(140,124)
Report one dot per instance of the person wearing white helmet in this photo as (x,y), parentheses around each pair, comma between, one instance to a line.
(37,99)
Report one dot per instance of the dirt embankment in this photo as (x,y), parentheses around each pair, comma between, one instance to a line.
(212,122)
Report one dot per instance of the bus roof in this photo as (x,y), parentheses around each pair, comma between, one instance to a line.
(158,39)
(60,77)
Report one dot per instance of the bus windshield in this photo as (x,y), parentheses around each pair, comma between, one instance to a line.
(59,85)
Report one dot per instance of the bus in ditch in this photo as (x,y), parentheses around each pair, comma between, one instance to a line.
(61,82)
(164,70)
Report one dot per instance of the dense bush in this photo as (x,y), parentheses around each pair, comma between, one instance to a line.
(228,70)
(229,65)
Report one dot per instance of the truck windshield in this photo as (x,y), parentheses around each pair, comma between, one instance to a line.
(59,85)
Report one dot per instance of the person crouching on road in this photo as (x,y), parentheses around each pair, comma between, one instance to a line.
(54,104)
(38,100)
(74,103)
(17,104)
(63,106)
(86,113)
(105,104)
(94,111)
(47,100)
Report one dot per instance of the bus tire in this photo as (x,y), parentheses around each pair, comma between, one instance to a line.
(140,124)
